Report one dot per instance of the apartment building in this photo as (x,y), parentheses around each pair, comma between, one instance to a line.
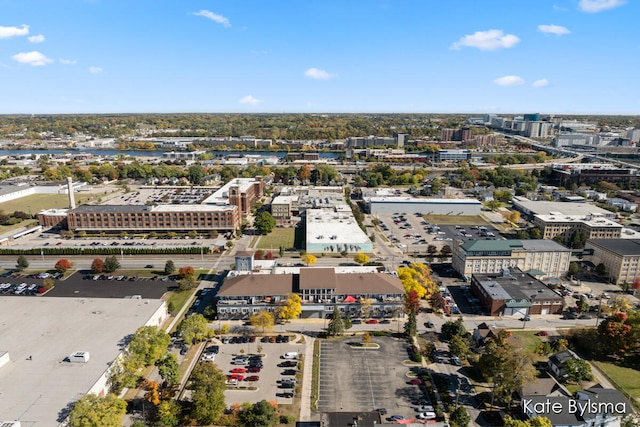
(140,218)
(594,226)
(542,258)
(621,258)
(242,192)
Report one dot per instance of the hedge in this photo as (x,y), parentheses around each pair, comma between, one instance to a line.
(106,251)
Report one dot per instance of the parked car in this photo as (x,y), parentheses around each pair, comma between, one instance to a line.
(396,418)
(426,416)
(289,372)
(372,322)
(252,378)
(415,381)
(238,370)
(254,369)
(423,408)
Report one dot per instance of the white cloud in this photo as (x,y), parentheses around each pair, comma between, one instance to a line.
(509,81)
(487,40)
(36,39)
(250,100)
(318,74)
(95,70)
(34,58)
(558,30)
(594,6)
(8,32)
(541,83)
(68,61)
(214,17)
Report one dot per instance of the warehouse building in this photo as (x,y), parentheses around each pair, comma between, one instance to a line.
(530,208)
(412,205)
(334,230)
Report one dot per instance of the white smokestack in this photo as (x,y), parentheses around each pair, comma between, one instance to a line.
(72,199)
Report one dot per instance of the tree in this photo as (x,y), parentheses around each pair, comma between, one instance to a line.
(347,323)
(260,414)
(533,422)
(459,417)
(22,263)
(195,328)
(365,307)
(48,283)
(169,267)
(459,346)
(578,239)
(578,370)
(411,326)
(336,325)
(62,266)
(264,222)
(615,335)
(583,304)
(148,345)
(309,259)
(152,396)
(94,411)
(207,385)
(97,266)
(620,303)
(535,233)
(290,308)
(168,368)
(451,329)
(511,216)
(196,173)
(262,319)
(188,282)
(169,413)
(361,258)
(366,338)
(186,271)
(573,269)
(111,264)
(601,270)
(411,301)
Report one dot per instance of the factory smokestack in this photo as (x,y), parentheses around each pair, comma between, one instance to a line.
(72,199)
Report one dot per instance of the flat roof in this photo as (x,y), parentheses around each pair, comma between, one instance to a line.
(281,200)
(514,285)
(592,221)
(619,246)
(512,244)
(143,208)
(543,207)
(406,199)
(222,195)
(326,226)
(37,390)
(54,212)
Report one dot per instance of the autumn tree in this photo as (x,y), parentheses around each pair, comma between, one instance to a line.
(262,319)
(412,301)
(186,271)
(290,307)
(62,265)
(94,411)
(309,259)
(169,413)
(152,395)
(615,335)
(361,258)
(511,216)
(97,266)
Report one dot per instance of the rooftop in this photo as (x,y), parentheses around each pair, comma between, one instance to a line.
(542,207)
(405,199)
(39,389)
(143,208)
(590,220)
(513,284)
(619,246)
(326,226)
(222,195)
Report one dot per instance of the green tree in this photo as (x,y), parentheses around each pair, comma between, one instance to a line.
(188,282)
(290,308)
(361,258)
(111,264)
(533,422)
(264,223)
(578,370)
(459,346)
(573,269)
(411,326)
(207,385)
(94,411)
(601,270)
(195,328)
(451,329)
(168,368)
(148,345)
(260,414)
(583,304)
(169,413)
(262,319)
(169,267)
(336,325)
(22,263)
(348,324)
(578,239)
(535,233)
(459,417)
(196,173)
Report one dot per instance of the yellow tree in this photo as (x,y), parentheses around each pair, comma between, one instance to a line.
(365,307)
(290,308)
(262,319)
(361,258)
(309,259)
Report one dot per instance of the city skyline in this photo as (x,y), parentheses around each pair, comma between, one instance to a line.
(99,56)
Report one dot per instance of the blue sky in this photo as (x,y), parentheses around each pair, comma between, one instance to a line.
(391,56)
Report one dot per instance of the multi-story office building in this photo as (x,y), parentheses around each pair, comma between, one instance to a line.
(452,155)
(567,139)
(542,258)
(621,258)
(594,226)
(138,218)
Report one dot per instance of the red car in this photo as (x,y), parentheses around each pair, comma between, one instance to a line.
(542,333)
(415,381)
(252,378)
(235,377)
(253,369)
(238,370)
(372,322)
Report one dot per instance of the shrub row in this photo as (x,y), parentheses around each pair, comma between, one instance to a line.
(105,251)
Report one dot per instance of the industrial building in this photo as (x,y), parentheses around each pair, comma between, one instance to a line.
(514,293)
(541,258)
(620,257)
(242,192)
(411,205)
(529,208)
(334,230)
(37,383)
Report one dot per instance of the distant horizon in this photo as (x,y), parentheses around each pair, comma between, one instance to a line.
(575,57)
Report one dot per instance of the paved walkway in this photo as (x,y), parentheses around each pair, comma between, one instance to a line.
(307,383)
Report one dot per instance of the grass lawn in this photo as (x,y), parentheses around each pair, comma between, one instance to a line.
(178,299)
(278,237)
(627,380)
(455,219)
(529,339)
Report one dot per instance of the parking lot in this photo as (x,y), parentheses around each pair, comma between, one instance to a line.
(412,233)
(77,285)
(269,385)
(360,379)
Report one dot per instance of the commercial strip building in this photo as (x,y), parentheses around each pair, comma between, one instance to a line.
(594,226)
(334,230)
(321,289)
(620,257)
(541,258)
(514,293)
(412,205)
(37,385)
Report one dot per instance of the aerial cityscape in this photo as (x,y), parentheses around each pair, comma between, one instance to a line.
(211,215)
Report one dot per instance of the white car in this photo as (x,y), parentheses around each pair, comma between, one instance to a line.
(427,416)
(208,357)
(424,408)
